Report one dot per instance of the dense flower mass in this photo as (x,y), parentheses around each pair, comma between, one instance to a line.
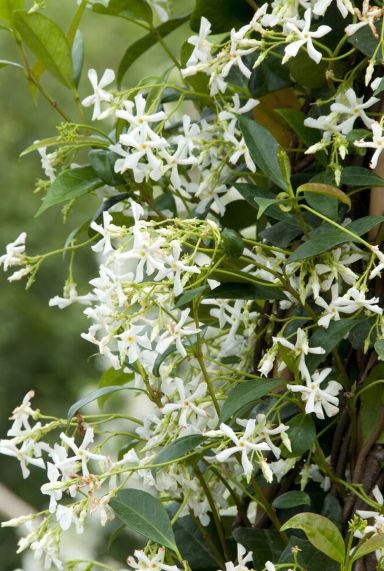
(237,297)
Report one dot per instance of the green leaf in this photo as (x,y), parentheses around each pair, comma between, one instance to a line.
(81,141)
(295,120)
(48,43)
(266,544)
(322,533)
(264,204)
(247,393)
(7,63)
(326,189)
(113,377)
(237,216)
(94,395)
(379,88)
(232,242)
(366,42)
(379,348)
(291,500)
(70,184)
(308,557)
(245,291)
(360,176)
(102,161)
(179,448)
(143,513)
(223,14)
(193,546)
(328,339)
(263,149)
(131,9)
(326,237)
(367,546)
(302,434)
(7,7)
(282,233)
(307,72)
(77,56)
(135,50)
(268,77)
(189,295)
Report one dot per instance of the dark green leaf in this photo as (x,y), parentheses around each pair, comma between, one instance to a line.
(366,42)
(360,176)
(295,120)
(269,76)
(94,395)
(263,149)
(113,377)
(326,237)
(264,204)
(102,161)
(131,9)
(266,544)
(237,216)
(308,557)
(223,14)
(328,339)
(307,72)
(291,500)
(179,448)
(70,184)
(245,291)
(48,42)
(332,510)
(193,545)
(282,233)
(77,56)
(245,393)
(302,434)
(135,50)
(189,295)
(232,242)
(143,513)
(322,533)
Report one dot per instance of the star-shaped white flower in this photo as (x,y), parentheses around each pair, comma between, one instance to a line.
(319,400)
(99,93)
(376,143)
(302,30)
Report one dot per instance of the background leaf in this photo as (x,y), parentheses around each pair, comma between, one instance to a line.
(247,393)
(178,448)
(266,544)
(94,395)
(131,9)
(302,434)
(223,14)
(291,500)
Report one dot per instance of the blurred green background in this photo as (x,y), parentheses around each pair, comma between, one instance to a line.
(40,347)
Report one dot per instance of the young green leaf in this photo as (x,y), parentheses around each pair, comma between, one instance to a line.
(144,513)
(291,500)
(130,9)
(321,532)
(70,184)
(48,42)
(263,149)
(246,393)
(327,190)
(135,50)
(7,7)
(367,546)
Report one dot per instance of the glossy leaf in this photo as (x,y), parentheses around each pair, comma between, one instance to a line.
(232,242)
(360,176)
(367,546)
(307,556)
(295,120)
(144,513)
(138,48)
(291,500)
(268,77)
(328,339)
(178,448)
(322,533)
(113,377)
(94,395)
(302,434)
(327,190)
(193,546)
(223,14)
(366,42)
(263,149)
(245,291)
(70,184)
(189,295)
(48,43)
(246,393)
(131,9)
(7,7)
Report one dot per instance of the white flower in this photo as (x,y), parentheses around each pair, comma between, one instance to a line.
(377,143)
(242,559)
(15,253)
(150,562)
(130,342)
(47,162)
(81,454)
(351,107)
(331,311)
(28,453)
(71,296)
(21,415)
(139,121)
(378,269)
(66,516)
(321,6)
(354,300)
(269,566)
(108,231)
(186,404)
(202,47)
(301,348)
(367,17)
(175,331)
(377,525)
(317,399)
(246,444)
(99,93)
(48,547)
(301,29)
